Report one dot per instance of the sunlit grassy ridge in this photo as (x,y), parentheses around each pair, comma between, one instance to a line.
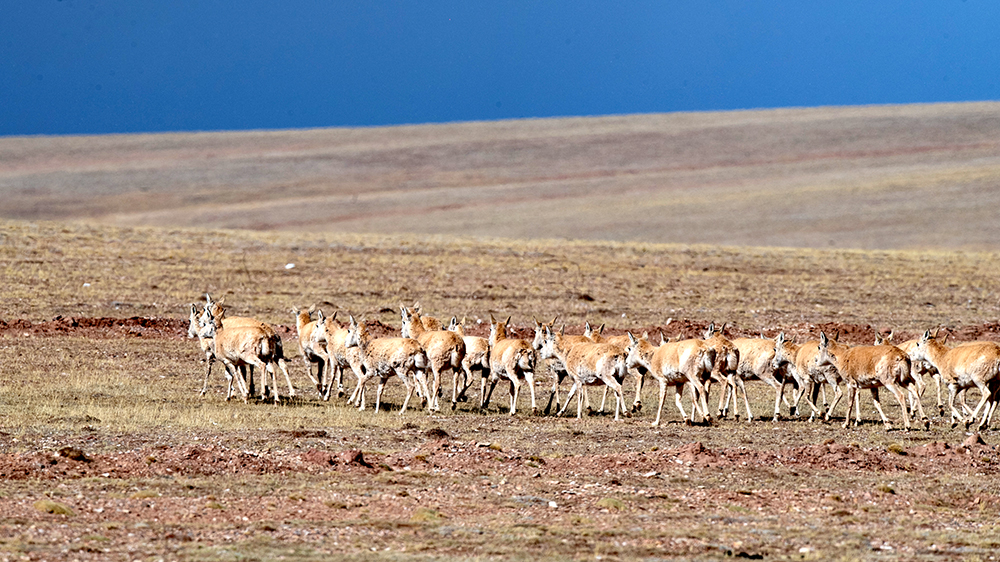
(78,269)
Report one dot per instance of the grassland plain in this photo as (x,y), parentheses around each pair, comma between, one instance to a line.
(881,177)
(102,417)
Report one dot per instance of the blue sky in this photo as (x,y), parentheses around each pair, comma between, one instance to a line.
(75,66)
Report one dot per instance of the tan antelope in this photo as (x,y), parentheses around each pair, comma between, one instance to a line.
(330,336)
(915,386)
(512,359)
(675,364)
(385,357)
(559,372)
(243,346)
(215,312)
(871,367)
(217,309)
(725,369)
(477,355)
(445,350)
(588,364)
(810,376)
(428,322)
(207,347)
(974,364)
(622,342)
(757,363)
(304,327)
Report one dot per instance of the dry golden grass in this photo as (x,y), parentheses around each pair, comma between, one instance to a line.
(85,270)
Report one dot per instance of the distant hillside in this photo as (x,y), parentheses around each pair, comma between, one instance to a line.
(914,176)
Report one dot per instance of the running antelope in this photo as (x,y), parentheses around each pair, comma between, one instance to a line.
(513,359)
(445,350)
(588,364)
(974,364)
(477,355)
(871,367)
(675,364)
(385,357)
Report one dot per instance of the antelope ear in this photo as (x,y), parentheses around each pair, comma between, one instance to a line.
(631,339)
(334,317)
(601,329)
(823,340)
(194,309)
(562,330)
(492,319)
(507,321)
(319,315)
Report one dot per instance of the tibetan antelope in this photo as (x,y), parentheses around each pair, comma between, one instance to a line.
(757,363)
(675,364)
(871,367)
(725,369)
(974,364)
(556,367)
(304,328)
(216,313)
(477,355)
(588,364)
(445,351)
(330,336)
(510,358)
(243,346)
(385,357)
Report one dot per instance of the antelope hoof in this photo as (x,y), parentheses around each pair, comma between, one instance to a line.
(453,406)
(927,423)
(534,411)
(688,422)
(637,407)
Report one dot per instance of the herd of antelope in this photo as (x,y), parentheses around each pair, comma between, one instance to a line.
(426,351)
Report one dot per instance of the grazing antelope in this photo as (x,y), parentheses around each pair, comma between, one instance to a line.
(871,367)
(216,313)
(477,355)
(588,364)
(385,357)
(757,363)
(445,350)
(243,346)
(304,327)
(675,364)
(974,364)
(513,359)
